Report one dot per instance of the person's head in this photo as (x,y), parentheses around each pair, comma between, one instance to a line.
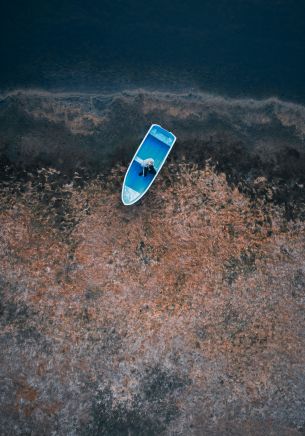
(150,162)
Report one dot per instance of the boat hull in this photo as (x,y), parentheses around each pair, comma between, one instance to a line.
(157,145)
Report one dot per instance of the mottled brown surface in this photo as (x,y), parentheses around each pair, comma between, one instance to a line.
(181,315)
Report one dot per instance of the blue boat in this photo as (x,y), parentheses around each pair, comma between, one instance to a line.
(152,153)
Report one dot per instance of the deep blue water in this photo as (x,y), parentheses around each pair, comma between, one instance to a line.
(231,47)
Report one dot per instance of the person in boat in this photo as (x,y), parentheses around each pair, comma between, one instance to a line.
(148,167)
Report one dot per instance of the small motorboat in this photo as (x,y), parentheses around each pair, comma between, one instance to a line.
(146,163)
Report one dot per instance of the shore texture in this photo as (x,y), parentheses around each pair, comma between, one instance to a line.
(181,315)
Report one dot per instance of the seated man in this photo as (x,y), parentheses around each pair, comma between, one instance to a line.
(148,167)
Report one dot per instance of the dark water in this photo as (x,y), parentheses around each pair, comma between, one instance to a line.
(236,47)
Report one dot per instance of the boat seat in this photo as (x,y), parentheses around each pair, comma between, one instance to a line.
(139,160)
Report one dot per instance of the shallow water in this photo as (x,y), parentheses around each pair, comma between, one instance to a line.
(98,129)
